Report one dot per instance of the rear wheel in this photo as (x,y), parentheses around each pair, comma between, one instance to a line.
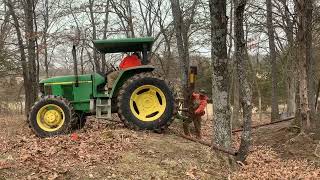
(146,102)
(51,116)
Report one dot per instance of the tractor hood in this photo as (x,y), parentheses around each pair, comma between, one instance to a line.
(87,78)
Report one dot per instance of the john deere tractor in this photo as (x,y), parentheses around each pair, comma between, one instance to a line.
(142,100)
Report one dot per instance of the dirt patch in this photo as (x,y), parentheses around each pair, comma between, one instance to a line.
(170,157)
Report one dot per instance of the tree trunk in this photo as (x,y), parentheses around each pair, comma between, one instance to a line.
(130,18)
(256,81)
(291,74)
(181,30)
(297,121)
(45,31)
(304,111)
(28,67)
(310,60)
(272,48)
(36,48)
(245,88)
(317,97)
(182,26)
(230,30)
(260,105)
(220,80)
(183,59)
(236,100)
(291,87)
(81,59)
(31,48)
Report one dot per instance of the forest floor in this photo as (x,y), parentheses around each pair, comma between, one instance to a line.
(107,150)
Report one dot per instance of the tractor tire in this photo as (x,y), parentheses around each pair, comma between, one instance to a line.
(51,116)
(146,102)
(80,122)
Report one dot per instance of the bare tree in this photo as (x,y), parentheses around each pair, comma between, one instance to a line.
(303,106)
(182,26)
(8,64)
(291,75)
(29,69)
(311,64)
(123,10)
(220,81)
(244,86)
(147,15)
(236,123)
(45,34)
(273,59)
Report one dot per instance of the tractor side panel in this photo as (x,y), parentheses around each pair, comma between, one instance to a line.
(68,92)
(54,90)
(81,97)
(82,93)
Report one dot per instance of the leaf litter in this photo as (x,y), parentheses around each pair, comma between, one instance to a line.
(51,158)
(109,151)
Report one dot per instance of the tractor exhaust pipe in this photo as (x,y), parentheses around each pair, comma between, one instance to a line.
(75,65)
(76,40)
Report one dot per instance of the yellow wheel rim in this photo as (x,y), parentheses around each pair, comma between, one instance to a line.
(148,103)
(50,117)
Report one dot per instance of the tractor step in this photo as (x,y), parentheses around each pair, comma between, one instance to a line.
(103,106)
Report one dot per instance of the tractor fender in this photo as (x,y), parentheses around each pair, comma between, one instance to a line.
(126,74)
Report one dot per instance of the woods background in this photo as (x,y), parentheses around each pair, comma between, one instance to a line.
(252,56)
(258,60)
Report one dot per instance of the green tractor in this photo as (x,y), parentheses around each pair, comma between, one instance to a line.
(142,100)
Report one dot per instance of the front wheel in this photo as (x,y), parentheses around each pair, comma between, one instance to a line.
(146,102)
(51,116)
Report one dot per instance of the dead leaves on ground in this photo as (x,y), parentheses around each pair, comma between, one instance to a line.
(55,157)
(80,155)
(264,163)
